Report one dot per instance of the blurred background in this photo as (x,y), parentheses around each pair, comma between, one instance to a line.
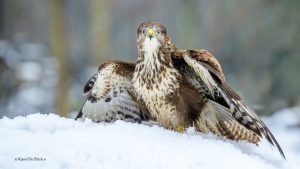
(49,49)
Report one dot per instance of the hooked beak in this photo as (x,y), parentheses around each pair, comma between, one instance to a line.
(150,33)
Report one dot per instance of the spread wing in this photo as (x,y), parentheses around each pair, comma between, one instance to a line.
(205,73)
(109,94)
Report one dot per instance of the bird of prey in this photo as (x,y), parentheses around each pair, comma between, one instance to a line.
(109,94)
(182,89)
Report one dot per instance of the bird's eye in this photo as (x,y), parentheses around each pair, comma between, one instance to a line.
(143,31)
(158,32)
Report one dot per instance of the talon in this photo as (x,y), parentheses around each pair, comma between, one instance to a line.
(180,129)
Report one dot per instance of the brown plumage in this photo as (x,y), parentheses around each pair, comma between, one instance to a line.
(178,88)
(181,88)
(226,96)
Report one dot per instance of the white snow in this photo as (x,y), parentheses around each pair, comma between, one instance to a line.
(64,143)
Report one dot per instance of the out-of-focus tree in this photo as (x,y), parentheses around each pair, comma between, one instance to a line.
(59,50)
(100,29)
(1,17)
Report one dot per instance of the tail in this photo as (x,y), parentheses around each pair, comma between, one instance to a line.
(217,119)
(246,116)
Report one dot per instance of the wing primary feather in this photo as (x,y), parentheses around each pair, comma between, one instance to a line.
(237,104)
(79,115)
(272,138)
(89,85)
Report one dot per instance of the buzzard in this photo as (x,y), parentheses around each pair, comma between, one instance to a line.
(182,89)
(109,94)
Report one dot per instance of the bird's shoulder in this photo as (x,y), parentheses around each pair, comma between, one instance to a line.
(200,57)
(120,67)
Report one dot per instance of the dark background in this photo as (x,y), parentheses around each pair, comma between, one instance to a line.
(49,49)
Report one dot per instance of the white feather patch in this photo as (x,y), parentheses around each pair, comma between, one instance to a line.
(103,110)
(151,46)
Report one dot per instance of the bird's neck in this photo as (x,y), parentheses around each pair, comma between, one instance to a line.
(153,63)
(155,72)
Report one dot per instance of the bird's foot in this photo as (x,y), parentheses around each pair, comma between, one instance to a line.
(180,129)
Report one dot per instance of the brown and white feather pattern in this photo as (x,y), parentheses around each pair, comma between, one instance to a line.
(214,117)
(109,94)
(222,123)
(154,81)
(200,78)
(223,94)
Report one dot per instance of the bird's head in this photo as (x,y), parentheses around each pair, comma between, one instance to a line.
(150,36)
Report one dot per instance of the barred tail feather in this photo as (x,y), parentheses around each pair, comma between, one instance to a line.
(217,119)
(246,116)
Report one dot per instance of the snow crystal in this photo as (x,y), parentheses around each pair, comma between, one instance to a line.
(50,141)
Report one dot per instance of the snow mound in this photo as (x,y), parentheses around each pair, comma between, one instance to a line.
(50,141)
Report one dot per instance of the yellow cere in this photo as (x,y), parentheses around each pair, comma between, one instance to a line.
(150,32)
